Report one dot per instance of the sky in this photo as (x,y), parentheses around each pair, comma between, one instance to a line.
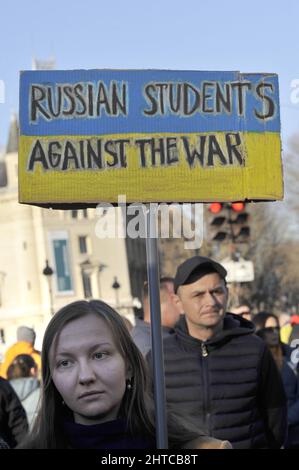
(167,34)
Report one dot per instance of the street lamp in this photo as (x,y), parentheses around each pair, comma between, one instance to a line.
(86,270)
(48,272)
(116,286)
(87,267)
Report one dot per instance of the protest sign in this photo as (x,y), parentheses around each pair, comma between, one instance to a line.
(152,135)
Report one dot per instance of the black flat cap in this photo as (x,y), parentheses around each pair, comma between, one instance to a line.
(201,265)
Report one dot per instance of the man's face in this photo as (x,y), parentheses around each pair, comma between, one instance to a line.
(204,301)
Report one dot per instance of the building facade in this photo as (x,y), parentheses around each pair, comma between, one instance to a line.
(49,258)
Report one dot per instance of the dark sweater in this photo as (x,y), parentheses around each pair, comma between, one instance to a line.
(229,384)
(110,435)
(290,378)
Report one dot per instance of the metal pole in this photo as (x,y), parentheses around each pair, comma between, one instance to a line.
(156,332)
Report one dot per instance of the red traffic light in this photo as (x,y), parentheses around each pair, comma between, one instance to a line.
(238,206)
(215,207)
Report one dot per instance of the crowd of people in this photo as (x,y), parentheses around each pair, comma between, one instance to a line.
(231,379)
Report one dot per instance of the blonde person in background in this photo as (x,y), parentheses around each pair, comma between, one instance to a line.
(24,345)
(22,375)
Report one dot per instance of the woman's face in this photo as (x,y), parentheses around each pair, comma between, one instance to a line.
(271,322)
(88,370)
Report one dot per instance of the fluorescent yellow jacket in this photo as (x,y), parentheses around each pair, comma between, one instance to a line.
(285,332)
(21,347)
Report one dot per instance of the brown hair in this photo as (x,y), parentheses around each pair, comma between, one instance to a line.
(137,404)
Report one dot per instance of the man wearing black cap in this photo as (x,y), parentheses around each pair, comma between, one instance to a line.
(216,370)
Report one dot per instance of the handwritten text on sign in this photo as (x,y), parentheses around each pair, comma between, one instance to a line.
(171,136)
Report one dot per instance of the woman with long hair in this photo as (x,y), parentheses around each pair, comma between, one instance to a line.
(267,328)
(95,390)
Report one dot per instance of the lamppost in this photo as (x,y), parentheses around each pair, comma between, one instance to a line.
(86,270)
(116,286)
(48,272)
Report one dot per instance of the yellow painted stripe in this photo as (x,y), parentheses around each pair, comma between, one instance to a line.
(259,178)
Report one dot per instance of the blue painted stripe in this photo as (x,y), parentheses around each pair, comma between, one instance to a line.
(136,121)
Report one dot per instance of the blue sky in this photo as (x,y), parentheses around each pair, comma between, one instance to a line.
(165,34)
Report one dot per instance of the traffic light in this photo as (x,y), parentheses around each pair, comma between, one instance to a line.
(230,221)
(240,231)
(218,221)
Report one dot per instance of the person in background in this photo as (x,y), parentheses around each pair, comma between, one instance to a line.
(288,369)
(13,421)
(170,314)
(264,320)
(285,327)
(243,309)
(218,372)
(24,345)
(22,374)
(294,336)
(95,392)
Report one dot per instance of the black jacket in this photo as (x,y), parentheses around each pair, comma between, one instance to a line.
(13,421)
(229,384)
